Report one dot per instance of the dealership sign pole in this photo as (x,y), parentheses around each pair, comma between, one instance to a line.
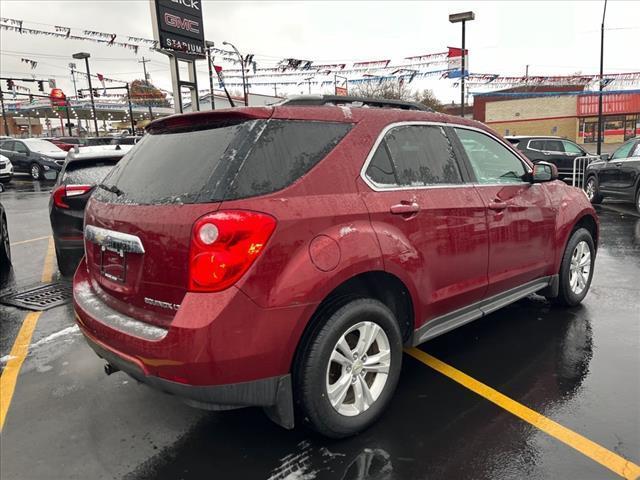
(177,27)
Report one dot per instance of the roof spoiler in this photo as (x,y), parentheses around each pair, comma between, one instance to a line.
(207,119)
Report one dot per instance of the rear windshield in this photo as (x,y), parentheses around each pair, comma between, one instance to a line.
(88,173)
(231,161)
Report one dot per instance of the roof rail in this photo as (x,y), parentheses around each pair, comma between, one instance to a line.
(336,100)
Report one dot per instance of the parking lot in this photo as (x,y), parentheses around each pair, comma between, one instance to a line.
(530,391)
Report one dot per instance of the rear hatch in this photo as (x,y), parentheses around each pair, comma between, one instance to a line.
(139,222)
(77,181)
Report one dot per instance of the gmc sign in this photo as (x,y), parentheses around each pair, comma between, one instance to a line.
(178,27)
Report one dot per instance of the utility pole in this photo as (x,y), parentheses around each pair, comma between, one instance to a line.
(146,80)
(604,12)
(72,66)
(133,122)
(526,72)
(210,62)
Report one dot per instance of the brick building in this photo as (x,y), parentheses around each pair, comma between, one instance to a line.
(568,112)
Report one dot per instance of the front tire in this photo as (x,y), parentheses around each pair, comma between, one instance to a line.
(638,200)
(35,171)
(349,369)
(576,270)
(592,191)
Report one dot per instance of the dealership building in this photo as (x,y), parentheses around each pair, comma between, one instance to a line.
(568,111)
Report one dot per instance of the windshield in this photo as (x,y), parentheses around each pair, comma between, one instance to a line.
(41,146)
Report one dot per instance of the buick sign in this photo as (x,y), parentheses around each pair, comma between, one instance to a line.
(178,27)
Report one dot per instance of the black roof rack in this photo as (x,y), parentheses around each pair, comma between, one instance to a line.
(336,100)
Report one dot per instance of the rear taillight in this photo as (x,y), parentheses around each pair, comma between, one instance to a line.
(223,247)
(65,191)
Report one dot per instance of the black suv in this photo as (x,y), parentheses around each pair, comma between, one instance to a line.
(554,150)
(83,170)
(617,176)
(34,156)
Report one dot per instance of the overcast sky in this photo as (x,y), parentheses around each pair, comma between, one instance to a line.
(555,37)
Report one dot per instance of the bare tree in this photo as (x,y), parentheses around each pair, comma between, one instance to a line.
(395,90)
(390,90)
(427,98)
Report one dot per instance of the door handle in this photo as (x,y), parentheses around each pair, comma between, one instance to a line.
(618,164)
(497,205)
(405,208)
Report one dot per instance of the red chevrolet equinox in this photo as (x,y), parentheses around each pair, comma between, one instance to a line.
(283,256)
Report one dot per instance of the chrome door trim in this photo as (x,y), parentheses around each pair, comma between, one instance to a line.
(379,188)
(112,240)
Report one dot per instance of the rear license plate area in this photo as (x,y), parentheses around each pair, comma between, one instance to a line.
(113,264)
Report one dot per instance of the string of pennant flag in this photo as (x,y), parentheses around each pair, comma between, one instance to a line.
(293,71)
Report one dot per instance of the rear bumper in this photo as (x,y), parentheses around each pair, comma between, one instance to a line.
(220,351)
(273,393)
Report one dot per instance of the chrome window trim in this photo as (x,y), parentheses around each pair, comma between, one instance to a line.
(380,188)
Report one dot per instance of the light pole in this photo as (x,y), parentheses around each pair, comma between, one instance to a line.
(604,12)
(244,81)
(80,56)
(463,17)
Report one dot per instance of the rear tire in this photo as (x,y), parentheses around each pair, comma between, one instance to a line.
(592,190)
(349,369)
(638,200)
(576,269)
(66,263)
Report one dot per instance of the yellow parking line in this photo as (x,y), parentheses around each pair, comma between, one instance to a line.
(16,358)
(604,457)
(30,240)
(47,270)
(20,347)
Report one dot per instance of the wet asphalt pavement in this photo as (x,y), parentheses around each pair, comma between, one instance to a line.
(578,367)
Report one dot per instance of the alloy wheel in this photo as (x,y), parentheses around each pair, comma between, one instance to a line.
(358,368)
(591,189)
(35,172)
(580,267)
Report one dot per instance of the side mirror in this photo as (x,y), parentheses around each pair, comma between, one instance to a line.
(544,172)
(605,157)
(50,175)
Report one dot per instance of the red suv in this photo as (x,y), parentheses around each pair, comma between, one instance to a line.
(282,256)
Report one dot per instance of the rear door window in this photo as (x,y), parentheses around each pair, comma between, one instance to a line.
(420,155)
(381,170)
(536,144)
(553,146)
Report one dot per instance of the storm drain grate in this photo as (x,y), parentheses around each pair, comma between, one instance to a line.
(42,297)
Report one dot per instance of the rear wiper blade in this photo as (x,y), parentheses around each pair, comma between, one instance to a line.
(111,188)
